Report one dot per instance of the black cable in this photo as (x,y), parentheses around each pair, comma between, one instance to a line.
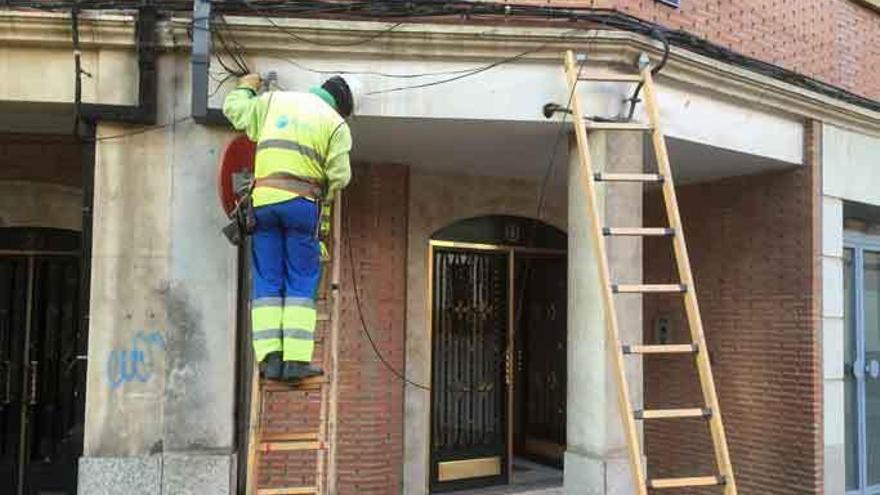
(237,58)
(548,172)
(473,72)
(310,41)
(346,239)
(414,10)
(77,67)
(551,162)
(144,130)
(413,75)
(220,84)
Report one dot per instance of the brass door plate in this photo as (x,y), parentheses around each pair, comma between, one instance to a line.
(470,468)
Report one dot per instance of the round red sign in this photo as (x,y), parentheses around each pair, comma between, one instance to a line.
(236,171)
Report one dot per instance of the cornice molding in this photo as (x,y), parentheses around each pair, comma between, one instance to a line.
(52,30)
(455,42)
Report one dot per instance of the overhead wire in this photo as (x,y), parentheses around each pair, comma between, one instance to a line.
(473,72)
(310,41)
(409,10)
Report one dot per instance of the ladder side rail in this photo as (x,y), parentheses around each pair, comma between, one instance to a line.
(254,432)
(321,454)
(332,365)
(707,381)
(587,178)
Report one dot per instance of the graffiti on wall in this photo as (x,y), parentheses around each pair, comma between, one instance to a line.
(137,361)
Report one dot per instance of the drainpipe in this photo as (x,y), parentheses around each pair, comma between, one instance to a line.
(145,111)
(201,63)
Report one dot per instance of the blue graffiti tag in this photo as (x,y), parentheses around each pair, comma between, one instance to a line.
(136,362)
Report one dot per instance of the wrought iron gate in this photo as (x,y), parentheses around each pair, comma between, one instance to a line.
(541,343)
(470,320)
(42,377)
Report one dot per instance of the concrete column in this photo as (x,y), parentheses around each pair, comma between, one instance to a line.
(161,378)
(596,458)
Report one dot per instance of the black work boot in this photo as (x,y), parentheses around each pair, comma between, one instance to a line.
(272,366)
(297,370)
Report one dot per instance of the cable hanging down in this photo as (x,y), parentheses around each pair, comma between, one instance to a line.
(346,238)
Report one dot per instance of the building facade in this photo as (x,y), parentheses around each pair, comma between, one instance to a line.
(123,339)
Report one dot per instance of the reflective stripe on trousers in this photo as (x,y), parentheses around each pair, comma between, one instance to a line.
(284,324)
(286,271)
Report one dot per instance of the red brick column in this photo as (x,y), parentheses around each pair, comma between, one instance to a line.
(370,438)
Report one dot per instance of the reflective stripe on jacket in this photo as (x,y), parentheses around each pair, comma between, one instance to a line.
(301,142)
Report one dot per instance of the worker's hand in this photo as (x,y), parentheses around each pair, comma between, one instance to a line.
(252,81)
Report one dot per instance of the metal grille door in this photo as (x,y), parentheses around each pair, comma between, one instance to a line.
(42,380)
(469,386)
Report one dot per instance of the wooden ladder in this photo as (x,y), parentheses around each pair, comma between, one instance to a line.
(710,409)
(322,441)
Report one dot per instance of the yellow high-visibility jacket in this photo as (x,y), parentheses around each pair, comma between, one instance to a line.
(299,137)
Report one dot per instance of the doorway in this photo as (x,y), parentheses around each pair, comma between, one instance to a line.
(498,315)
(42,368)
(862,362)
(540,343)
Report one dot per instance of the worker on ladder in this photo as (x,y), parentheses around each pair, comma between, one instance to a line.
(302,160)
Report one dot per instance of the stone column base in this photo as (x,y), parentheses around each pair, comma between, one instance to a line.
(589,475)
(163,474)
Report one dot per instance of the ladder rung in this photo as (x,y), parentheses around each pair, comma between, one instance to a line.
(661,349)
(289,446)
(605,177)
(609,76)
(289,437)
(673,413)
(293,490)
(638,231)
(307,385)
(661,483)
(643,288)
(617,126)
(311,383)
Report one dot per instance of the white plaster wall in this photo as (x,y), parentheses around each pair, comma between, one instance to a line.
(35,204)
(47,75)
(851,165)
(437,201)
(850,172)
(164,284)
(498,94)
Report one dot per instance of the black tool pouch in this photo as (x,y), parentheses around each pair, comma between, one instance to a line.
(243,223)
(233,232)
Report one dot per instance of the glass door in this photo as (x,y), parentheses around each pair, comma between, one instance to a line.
(862,354)
(871,361)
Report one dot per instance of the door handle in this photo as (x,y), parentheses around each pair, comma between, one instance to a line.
(857,369)
(6,367)
(873,369)
(32,393)
(74,360)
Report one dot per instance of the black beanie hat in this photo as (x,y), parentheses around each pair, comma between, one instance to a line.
(338,88)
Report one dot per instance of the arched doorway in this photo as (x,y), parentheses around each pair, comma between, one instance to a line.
(498,342)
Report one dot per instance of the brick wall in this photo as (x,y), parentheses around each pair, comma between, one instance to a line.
(836,41)
(754,254)
(370,455)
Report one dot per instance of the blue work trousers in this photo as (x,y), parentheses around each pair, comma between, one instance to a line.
(286,273)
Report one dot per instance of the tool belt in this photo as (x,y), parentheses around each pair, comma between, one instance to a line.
(301,186)
(244,220)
